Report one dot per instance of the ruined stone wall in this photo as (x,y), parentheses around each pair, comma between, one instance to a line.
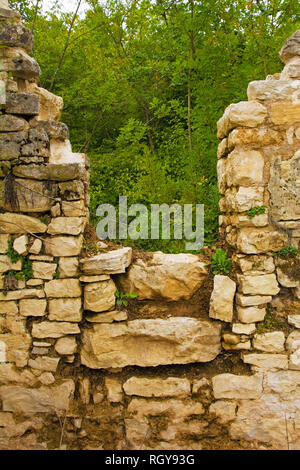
(196,361)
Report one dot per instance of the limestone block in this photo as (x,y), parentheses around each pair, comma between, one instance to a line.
(256,265)
(291,70)
(10,145)
(72,190)
(248,301)
(84,390)
(9,373)
(55,130)
(7,265)
(240,220)
(114,390)
(36,247)
(172,277)
(22,294)
(33,196)
(237,347)
(245,168)
(16,35)
(258,285)
(260,137)
(243,114)
(199,384)
(18,62)
(27,104)
(276,90)
(43,270)
(19,223)
(243,199)
(100,296)
(222,148)
(39,400)
(9,308)
(4,239)
(16,348)
(253,241)
(66,346)
(149,343)
(64,246)
(109,317)
(221,302)
(63,288)
(284,382)
(266,361)
(251,314)
(224,410)
(157,387)
(89,279)
(269,342)
(294,320)
(51,105)
(285,114)
(222,175)
(294,362)
(68,267)
(113,262)
(66,225)
(46,378)
(243,329)
(237,386)
(9,123)
(33,307)
(48,364)
(290,48)
(54,329)
(284,277)
(68,310)
(293,341)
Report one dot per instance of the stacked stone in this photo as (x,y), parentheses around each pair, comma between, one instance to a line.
(43,202)
(258,169)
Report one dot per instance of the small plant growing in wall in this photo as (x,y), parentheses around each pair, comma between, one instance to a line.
(221,264)
(122,299)
(26,272)
(288,252)
(257,210)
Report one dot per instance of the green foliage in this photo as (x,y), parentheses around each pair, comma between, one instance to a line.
(122,299)
(270,323)
(287,252)
(27,272)
(257,210)
(220,263)
(11,253)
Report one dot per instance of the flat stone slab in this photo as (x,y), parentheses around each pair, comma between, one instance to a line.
(113,262)
(150,343)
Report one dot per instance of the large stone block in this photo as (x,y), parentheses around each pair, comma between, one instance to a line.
(254,241)
(285,114)
(100,296)
(18,223)
(266,361)
(63,288)
(113,262)
(245,168)
(30,195)
(278,90)
(259,137)
(237,386)
(172,277)
(149,343)
(68,310)
(221,302)
(48,329)
(269,342)
(291,48)
(15,35)
(22,66)
(157,387)
(27,104)
(64,246)
(243,114)
(10,144)
(16,348)
(251,314)
(243,199)
(44,271)
(51,105)
(259,285)
(33,307)
(66,225)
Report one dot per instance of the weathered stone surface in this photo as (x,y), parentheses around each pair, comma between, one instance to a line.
(22,294)
(294,320)
(9,308)
(256,265)
(294,362)
(18,62)
(273,90)
(63,288)
(283,276)
(157,387)
(10,145)
(69,310)
(44,270)
(100,296)
(33,307)
(269,342)
(293,341)
(54,329)
(20,244)
(64,246)
(114,390)
(84,390)
(9,123)
(74,208)
(243,345)
(66,225)
(10,374)
(251,314)
(41,400)
(51,105)
(267,361)
(240,220)
(221,302)
(4,239)
(200,384)
(222,175)
(46,378)
(89,279)
(149,343)
(32,196)
(68,267)
(288,113)
(172,277)
(7,265)
(17,348)
(18,223)
(237,386)
(259,285)
(72,190)
(114,262)
(15,35)
(243,114)
(109,317)
(243,329)
(248,301)
(23,104)
(284,177)
(48,364)
(260,137)
(243,199)
(224,410)
(253,241)
(55,130)
(244,168)
(292,70)
(291,48)
(66,346)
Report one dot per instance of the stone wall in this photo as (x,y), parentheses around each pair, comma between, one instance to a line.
(196,361)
